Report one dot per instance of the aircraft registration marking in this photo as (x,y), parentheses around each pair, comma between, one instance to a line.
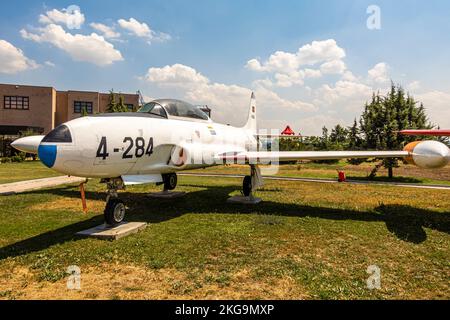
(135,148)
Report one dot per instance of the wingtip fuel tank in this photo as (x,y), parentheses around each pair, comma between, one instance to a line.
(428,154)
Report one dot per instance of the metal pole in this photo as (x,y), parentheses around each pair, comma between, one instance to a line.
(83,197)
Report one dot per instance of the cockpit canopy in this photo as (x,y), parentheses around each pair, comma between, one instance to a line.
(166,108)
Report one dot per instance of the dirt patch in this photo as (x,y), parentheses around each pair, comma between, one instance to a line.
(131,282)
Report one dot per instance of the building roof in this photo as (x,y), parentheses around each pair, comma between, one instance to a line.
(288,132)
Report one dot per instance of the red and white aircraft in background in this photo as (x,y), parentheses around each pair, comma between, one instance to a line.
(434,132)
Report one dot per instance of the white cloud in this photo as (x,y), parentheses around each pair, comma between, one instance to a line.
(309,54)
(71,17)
(333,67)
(91,48)
(414,86)
(287,67)
(379,73)
(49,63)
(349,95)
(270,99)
(177,75)
(313,125)
(288,80)
(107,32)
(142,30)
(320,51)
(254,65)
(229,101)
(13,60)
(134,26)
(437,105)
(311,73)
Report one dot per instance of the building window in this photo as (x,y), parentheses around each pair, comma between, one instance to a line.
(129,106)
(16,102)
(78,106)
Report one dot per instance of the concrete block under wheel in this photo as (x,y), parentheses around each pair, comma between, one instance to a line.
(166,194)
(244,200)
(113,233)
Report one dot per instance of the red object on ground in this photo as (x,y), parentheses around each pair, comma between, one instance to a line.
(341,176)
(288,132)
(440,133)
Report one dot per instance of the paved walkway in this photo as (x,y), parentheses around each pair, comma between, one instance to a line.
(393,184)
(22,186)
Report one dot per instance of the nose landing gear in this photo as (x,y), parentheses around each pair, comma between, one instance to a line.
(115,210)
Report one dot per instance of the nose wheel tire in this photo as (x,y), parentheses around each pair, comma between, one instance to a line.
(170,181)
(114,212)
(247,186)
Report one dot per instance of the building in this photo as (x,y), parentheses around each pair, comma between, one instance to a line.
(288,132)
(43,108)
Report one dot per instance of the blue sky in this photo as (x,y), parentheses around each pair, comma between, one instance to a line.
(199,51)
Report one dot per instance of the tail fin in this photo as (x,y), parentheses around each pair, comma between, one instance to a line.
(251,120)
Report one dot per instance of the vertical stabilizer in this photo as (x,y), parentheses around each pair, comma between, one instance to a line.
(251,120)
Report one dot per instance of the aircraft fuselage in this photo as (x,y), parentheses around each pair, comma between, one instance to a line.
(109,146)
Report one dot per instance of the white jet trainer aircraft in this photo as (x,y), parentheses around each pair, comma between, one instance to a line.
(168,136)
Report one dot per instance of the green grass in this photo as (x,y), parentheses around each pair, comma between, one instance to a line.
(405,174)
(13,172)
(305,240)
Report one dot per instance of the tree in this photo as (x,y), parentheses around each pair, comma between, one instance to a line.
(339,135)
(113,105)
(354,142)
(84,112)
(325,143)
(121,107)
(384,116)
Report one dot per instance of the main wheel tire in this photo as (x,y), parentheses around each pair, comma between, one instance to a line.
(114,212)
(247,186)
(170,181)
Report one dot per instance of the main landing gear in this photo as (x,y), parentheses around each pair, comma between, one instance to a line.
(252,182)
(115,210)
(249,185)
(170,181)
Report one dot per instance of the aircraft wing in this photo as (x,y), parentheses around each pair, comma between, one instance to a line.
(268,156)
(437,133)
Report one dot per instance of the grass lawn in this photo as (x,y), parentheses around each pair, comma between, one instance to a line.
(305,241)
(404,174)
(13,172)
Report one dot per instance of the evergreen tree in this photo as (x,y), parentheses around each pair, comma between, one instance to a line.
(339,135)
(121,107)
(383,117)
(84,112)
(354,142)
(112,104)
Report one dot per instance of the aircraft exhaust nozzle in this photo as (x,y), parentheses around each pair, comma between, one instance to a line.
(28,144)
(428,154)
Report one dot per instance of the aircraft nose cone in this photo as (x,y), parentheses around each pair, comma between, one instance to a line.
(47,154)
(27,144)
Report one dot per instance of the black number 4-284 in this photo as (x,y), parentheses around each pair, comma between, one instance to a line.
(138,145)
